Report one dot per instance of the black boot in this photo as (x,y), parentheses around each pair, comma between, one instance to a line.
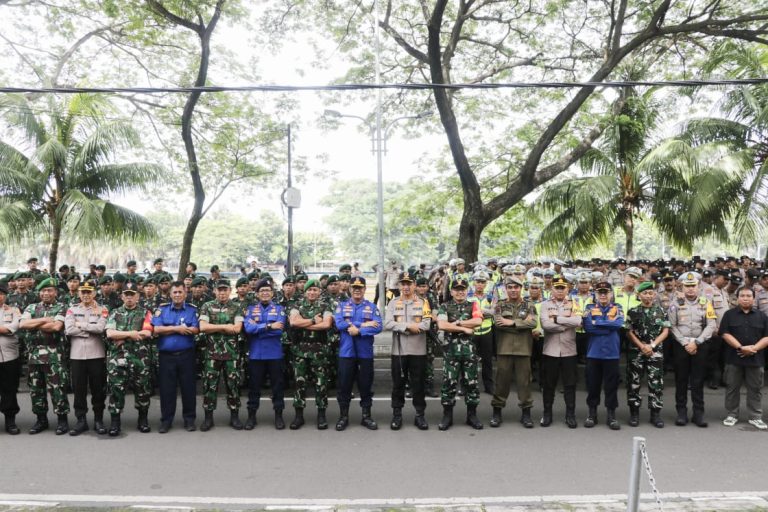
(591,418)
(397,419)
(656,420)
(10,424)
(343,418)
(62,426)
(234,420)
(447,420)
(682,417)
(611,420)
(570,407)
(114,425)
(472,420)
(279,422)
(634,416)
(98,423)
(430,390)
(496,417)
(298,419)
(207,422)
(322,423)
(40,425)
(546,417)
(143,424)
(420,421)
(367,421)
(698,419)
(80,426)
(251,421)
(525,418)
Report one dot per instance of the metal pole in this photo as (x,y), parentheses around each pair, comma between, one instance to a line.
(633,496)
(380,185)
(289,262)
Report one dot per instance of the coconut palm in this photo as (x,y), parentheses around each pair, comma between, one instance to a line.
(679,188)
(59,165)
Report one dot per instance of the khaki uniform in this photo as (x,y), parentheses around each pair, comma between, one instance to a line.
(513,352)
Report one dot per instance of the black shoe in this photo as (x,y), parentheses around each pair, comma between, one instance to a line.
(698,419)
(367,421)
(430,391)
(525,419)
(343,419)
(570,420)
(591,420)
(298,419)
(40,425)
(397,419)
(143,424)
(234,420)
(62,427)
(611,420)
(279,422)
(164,428)
(98,424)
(189,425)
(322,423)
(421,422)
(408,393)
(114,425)
(634,416)
(251,422)
(10,425)
(656,420)
(80,426)
(447,420)
(207,422)
(546,418)
(496,417)
(682,418)
(472,420)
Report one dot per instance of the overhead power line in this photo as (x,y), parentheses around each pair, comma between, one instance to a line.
(358,87)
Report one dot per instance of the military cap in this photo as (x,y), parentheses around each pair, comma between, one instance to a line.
(105,280)
(507,269)
(647,285)
(103,268)
(253,275)
(164,278)
(603,285)
(150,280)
(214,268)
(131,263)
(618,261)
(198,281)
(23,275)
(548,272)
(120,278)
(518,269)
(223,283)
(597,276)
(656,277)
(480,275)
(404,277)
(707,273)
(4,288)
(243,281)
(345,266)
(585,277)
(358,281)
(753,273)
(130,288)
(345,277)
(634,272)
(312,283)
(536,282)
(332,279)
(136,279)
(263,283)
(737,279)
(301,276)
(48,282)
(421,281)
(158,260)
(722,272)
(512,280)
(459,283)
(86,286)
(73,277)
(537,272)
(63,268)
(667,274)
(266,274)
(559,280)
(689,278)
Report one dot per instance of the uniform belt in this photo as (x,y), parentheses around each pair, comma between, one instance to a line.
(176,353)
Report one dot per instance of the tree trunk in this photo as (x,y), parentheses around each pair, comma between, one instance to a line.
(53,253)
(629,233)
(470,229)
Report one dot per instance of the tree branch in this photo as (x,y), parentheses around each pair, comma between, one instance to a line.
(159,8)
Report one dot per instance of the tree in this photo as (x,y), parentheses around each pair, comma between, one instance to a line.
(57,180)
(480,41)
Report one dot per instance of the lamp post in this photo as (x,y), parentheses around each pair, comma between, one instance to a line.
(379,148)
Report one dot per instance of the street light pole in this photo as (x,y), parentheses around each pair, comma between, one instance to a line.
(379,164)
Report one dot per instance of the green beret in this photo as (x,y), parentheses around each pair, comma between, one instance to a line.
(288,280)
(241,281)
(120,278)
(324,276)
(345,277)
(137,279)
(48,282)
(22,275)
(105,280)
(165,278)
(647,285)
(332,279)
(198,281)
(149,280)
(421,281)
(39,278)
(265,274)
(253,275)
(311,283)
(301,276)
(158,260)
(345,266)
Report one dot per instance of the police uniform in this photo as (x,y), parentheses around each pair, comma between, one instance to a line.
(10,364)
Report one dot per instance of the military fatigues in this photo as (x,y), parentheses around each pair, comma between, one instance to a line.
(647,324)
(222,354)
(433,347)
(130,364)
(46,368)
(514,345)
(459,357)
(21,301)
(312,356)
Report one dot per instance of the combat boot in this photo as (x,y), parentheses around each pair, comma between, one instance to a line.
(634,416)
(682,417)
(234,420)
(570,406)
(420,421)
(656,420)
(298,419)
(279,422)
(546,417)
(397,419)
(322,423)
(611,420)
(40,425)
(447,420)
(251,421)
(143,424)
(10,424)
(496,417)
(472,420)
(367,421)
(343,418)
(62,426)
(80,426)
(698,419)
(430,390)
(525,418)
(207,422)
(591,418)
(98,423)
(114,425)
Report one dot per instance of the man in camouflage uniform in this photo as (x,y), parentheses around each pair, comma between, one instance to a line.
(44,322)
(458,319)
(71,296)
(433,343)
(106,295)
(21,299)
(310,320)
(647,328)
(221,321)
(129,358)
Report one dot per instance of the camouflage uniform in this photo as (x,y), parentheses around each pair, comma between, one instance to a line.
(288,334)
(222,354)
(22,301)
(433,345)
(200,343)
(647,324)
(130,363)
(311,355)
(334,338)
(459,357)
(46,367)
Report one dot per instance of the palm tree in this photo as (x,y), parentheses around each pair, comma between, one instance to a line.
(56,173)
(682,190)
